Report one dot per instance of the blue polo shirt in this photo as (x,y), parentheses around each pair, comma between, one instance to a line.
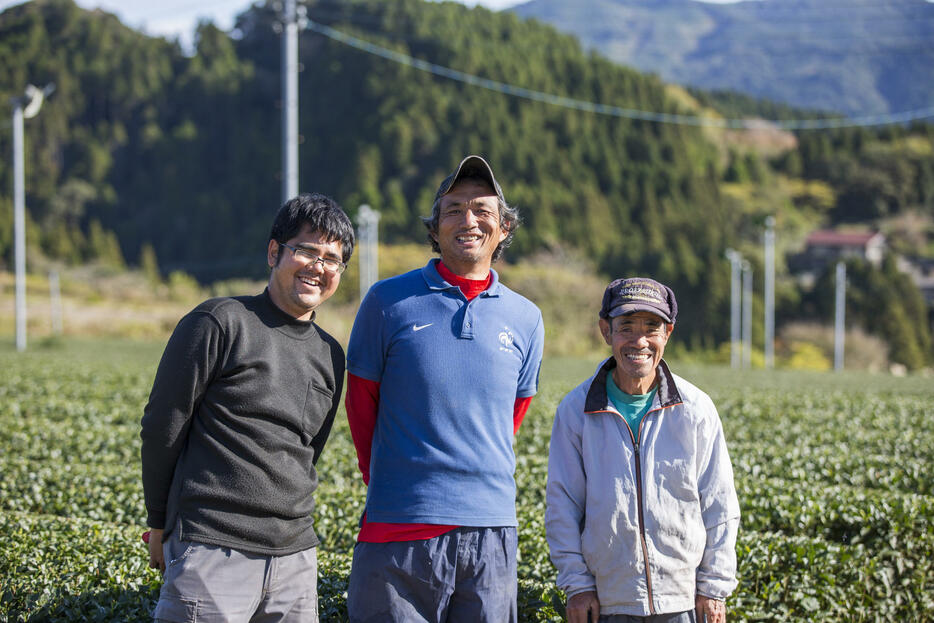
(449,372)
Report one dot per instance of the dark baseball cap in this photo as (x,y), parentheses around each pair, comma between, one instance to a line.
(627,296)
(471,166)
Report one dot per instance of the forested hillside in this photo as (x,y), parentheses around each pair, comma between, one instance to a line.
(147,147)
(858,57)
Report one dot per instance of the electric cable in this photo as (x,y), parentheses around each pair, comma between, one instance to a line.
(610,110)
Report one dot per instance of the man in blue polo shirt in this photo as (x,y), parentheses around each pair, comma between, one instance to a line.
(442,364)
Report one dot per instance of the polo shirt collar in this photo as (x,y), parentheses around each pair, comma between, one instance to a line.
(435,281)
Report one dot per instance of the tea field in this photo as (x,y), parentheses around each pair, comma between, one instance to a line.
(833,472)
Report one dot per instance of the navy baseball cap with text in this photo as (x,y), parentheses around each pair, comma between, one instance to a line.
(627,296)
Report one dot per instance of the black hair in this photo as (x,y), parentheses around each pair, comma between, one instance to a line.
(321,214)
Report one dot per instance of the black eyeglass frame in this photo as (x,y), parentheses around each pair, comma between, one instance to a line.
(329,263)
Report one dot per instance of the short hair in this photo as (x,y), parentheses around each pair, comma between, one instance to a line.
(321,214)
(509,219)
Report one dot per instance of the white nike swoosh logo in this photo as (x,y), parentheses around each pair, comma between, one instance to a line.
(415,327)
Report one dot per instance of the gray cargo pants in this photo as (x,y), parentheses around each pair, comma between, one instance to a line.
(208,583)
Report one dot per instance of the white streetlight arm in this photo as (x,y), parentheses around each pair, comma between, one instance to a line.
(32,100)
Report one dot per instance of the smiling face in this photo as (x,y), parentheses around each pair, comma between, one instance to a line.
(638,342)
(297,286)
(469,229)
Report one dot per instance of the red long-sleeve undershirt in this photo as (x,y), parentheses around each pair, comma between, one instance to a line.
(362,403)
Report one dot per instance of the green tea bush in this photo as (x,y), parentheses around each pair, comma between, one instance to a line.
(832,473)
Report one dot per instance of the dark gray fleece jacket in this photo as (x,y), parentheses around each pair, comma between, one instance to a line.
(243,401)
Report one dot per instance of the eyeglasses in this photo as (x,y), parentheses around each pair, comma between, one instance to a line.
(328,263)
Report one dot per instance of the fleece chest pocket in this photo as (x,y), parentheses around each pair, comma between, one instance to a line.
(318,401)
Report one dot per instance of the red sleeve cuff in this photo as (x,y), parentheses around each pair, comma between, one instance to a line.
(362,404)
(518,412)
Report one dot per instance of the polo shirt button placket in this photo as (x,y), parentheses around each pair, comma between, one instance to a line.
(466,330)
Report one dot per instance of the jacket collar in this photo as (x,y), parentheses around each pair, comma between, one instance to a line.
(597,400)
(435,281)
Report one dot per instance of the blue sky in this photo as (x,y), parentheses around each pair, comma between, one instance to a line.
(177,18)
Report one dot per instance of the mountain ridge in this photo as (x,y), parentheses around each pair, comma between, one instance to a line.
(855,58)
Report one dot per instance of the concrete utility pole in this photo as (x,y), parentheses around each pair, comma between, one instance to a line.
(368,223)
(55,303)
(290,23)
(25,107)
(769,293)
(747,314)
(839,328)
(735,260)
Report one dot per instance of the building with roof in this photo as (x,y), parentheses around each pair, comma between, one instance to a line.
(827,246)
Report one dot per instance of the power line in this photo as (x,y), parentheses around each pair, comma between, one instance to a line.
(798,45)
(613,111)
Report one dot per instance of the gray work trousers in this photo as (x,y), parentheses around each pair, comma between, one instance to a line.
(208,583)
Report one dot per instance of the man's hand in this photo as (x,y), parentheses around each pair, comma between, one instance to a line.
(715,609)
(156,557)
(582,604)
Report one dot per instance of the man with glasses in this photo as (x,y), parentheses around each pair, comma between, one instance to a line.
(242,404)
(442,364)
(641,514)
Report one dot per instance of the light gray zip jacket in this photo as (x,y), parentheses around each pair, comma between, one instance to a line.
(648,522)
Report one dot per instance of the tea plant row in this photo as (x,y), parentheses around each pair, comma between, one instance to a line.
(838,508)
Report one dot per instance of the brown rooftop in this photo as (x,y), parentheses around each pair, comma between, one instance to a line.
(831,238)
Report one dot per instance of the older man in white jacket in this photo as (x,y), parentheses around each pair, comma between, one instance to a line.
(642,513)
